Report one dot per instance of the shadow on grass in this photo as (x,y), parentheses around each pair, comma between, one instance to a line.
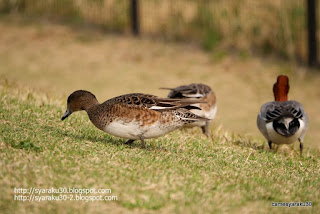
(287,150)
(108,139)
(105,139)
(244,142)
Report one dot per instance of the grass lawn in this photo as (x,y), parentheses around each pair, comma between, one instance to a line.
(182,172)
(233,171)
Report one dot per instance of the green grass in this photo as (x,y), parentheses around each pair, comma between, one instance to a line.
(182,172)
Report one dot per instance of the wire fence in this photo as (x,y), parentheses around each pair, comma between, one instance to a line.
(269,26)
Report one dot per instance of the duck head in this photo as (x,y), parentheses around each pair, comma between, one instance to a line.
(78,101)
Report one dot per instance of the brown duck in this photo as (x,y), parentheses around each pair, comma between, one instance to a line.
(134,116)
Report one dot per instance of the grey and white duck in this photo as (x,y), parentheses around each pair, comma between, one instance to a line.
(283,121)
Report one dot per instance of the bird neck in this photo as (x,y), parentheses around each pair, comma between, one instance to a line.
(281,89)
(89,103)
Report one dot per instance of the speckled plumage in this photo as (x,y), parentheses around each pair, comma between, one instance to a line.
(206,109)
(134,116)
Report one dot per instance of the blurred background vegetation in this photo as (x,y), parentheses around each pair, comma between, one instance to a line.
(250,27)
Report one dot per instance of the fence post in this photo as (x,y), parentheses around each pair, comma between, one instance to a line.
(312,32)
(135,17)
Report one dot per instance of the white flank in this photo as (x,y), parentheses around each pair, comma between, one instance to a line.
(206,114)
(134,130)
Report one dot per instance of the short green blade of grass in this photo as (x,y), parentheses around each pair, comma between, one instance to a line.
(182,172)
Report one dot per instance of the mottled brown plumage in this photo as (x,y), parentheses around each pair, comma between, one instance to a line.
(134,116)
(207,108)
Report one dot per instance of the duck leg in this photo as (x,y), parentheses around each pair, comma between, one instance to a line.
(142,142)
(301,146)
(269,143)
(206,129)
(129,142)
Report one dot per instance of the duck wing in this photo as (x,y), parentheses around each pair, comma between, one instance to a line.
(189,91)
(153,102)
(275,110)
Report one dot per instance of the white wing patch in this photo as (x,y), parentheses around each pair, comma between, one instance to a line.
(159,107)
(193,95)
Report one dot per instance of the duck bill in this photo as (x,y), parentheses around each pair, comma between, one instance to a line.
(66,114)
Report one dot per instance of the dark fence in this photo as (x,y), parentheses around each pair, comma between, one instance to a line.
(312,32)
(283,27)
